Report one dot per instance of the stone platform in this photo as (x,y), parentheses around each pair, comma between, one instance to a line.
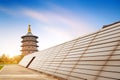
(16,72)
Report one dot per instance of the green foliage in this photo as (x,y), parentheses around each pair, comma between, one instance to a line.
(1,66)
(4,59)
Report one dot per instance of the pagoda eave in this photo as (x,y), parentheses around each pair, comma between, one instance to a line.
(29,36)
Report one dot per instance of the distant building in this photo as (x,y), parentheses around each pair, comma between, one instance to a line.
(29,43)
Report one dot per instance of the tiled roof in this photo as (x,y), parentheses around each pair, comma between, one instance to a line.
(91,57)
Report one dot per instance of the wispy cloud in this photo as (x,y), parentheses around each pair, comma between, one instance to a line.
(50,17)
(60,16)
(35,15)
(9,11)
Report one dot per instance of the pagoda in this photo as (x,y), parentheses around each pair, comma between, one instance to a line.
(29,43)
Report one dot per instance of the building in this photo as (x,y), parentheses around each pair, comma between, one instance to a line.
(29,43)
(95,56)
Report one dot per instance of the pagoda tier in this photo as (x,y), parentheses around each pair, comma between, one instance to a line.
(24,45)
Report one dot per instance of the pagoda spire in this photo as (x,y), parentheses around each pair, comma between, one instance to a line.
(29,29)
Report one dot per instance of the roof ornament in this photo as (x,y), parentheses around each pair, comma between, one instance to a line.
(29,29)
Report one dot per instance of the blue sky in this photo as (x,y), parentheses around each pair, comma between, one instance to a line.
(53,21)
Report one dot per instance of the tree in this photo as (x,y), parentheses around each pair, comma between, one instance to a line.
(5,59)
